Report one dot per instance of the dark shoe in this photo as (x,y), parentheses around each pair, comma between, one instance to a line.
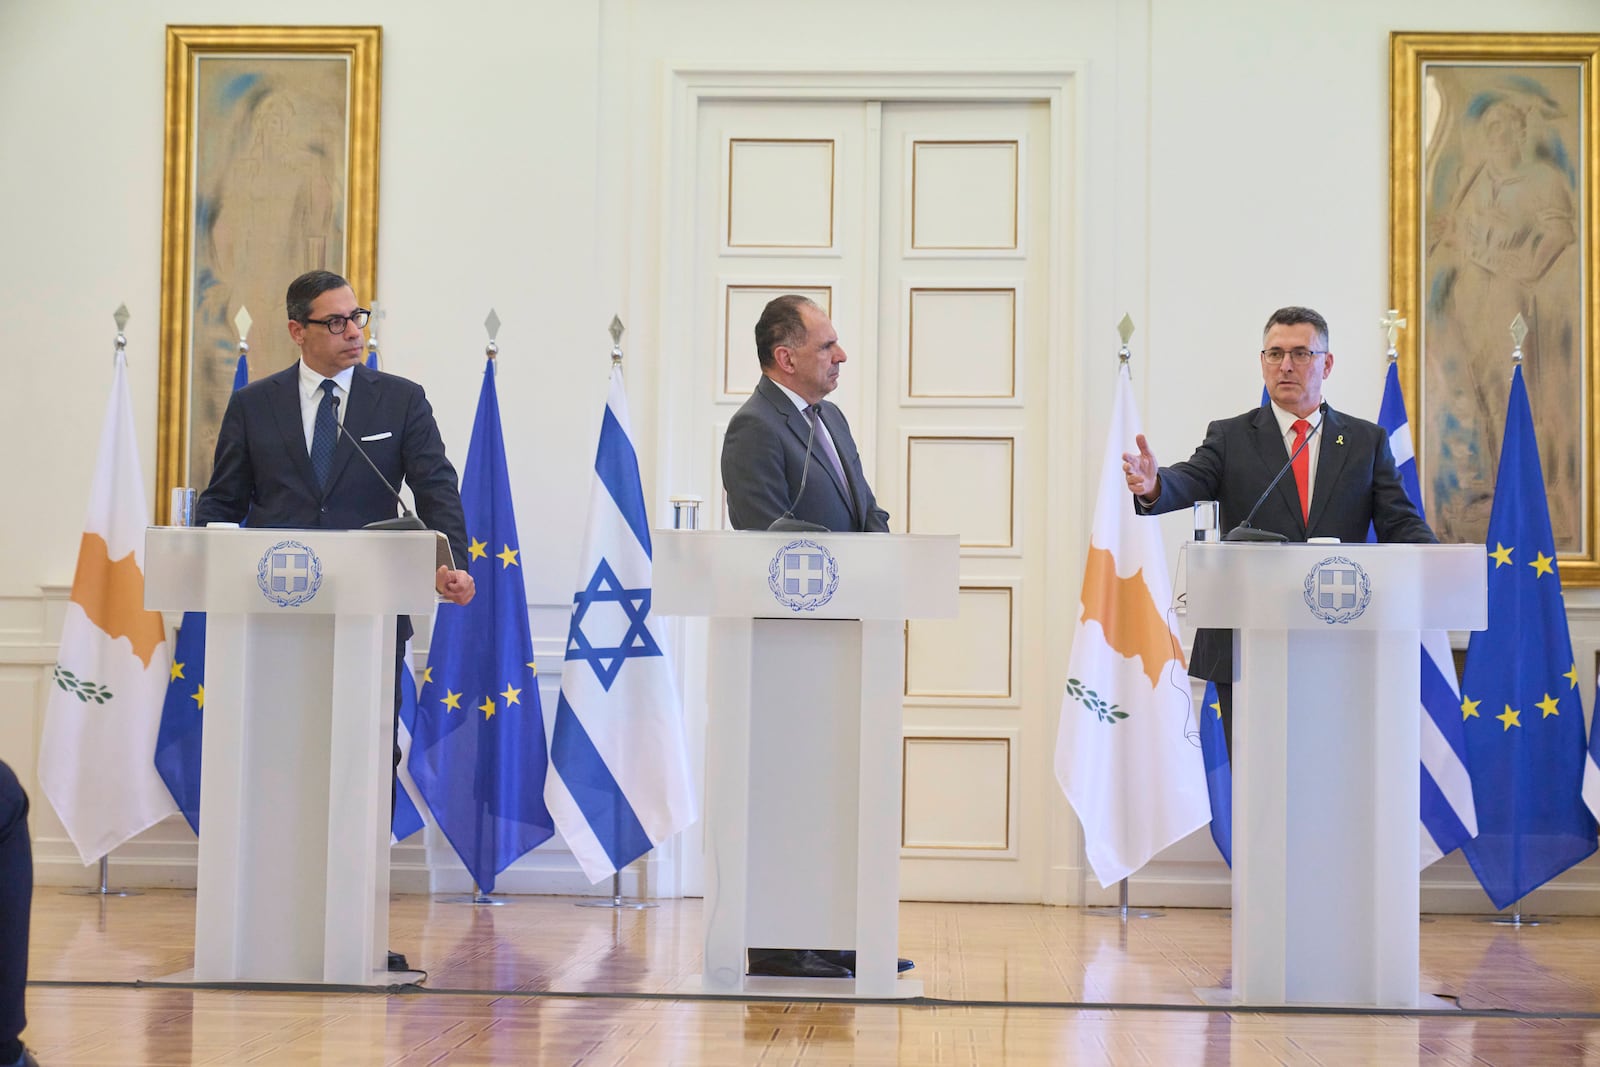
(794,963)
(397,961)
(846,958)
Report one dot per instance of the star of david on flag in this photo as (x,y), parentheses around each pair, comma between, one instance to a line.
(606,588)
(620,781)
(478,751)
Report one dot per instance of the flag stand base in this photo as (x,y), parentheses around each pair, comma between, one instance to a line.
(475,897)
(102,890)
(1122,910)
(616,900)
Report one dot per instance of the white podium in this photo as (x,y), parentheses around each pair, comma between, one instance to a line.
(293,882)
(1326,734)
(806,668)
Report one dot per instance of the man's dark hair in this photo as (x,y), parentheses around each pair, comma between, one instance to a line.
(781,323)
(306,288)
(1298,316)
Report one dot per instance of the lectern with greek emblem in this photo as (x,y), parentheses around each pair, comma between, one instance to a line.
(1326,760)
(293,882)
(806,675)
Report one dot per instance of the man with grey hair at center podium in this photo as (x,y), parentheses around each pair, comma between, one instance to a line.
(1343,482)
(789,463)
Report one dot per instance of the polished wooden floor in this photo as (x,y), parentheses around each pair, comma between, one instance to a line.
(540,981)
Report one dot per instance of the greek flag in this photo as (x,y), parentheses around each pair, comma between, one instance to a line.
(1449,818)
(620,774)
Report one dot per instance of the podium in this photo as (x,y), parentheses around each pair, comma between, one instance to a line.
(806,665)
(1326,761)
(293,881)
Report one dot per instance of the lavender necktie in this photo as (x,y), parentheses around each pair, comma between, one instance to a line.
(825,442)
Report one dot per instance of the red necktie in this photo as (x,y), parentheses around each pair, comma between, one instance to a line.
(1302,467)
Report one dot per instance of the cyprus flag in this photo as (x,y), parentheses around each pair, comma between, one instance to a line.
(1124,756)
(96,761)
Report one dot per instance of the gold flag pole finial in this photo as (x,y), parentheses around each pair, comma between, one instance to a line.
(492,325)
(616,330)
(1392,324)
(1125,331)
(120,317)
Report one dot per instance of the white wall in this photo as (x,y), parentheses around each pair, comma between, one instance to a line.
(1236,159)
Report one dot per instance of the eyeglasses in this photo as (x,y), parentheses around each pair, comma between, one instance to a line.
(337,323)
(1301,356)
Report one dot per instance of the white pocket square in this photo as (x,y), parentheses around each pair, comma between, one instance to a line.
(378,436)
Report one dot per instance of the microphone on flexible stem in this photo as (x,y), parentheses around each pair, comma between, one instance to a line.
(407,520)
(1244,532)
(787,523)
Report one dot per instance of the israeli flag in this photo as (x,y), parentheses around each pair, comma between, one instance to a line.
(619,783)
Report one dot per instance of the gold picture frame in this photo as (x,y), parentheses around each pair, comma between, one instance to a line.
(1495,180)
(271,163)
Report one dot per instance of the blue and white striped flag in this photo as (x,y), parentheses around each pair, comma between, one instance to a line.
(620,772)
(1449,818)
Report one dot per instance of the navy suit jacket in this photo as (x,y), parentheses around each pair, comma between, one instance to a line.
(1356,487)
(763,458)
(262,475)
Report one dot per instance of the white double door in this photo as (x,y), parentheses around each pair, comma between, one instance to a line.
(925,230)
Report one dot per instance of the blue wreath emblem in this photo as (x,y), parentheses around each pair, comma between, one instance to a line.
(803,575)
(1338,590)
(289,574)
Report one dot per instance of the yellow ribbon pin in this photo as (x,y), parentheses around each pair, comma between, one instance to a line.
(1340,441)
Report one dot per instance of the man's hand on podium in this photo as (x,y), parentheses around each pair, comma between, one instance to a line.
(1142,471)
(455,586)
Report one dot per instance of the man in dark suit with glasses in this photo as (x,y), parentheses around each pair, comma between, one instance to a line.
(282,462)
(1343,480)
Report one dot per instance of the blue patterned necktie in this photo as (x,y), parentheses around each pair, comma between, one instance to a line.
(324,435)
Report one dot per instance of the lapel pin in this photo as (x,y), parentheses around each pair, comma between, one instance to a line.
(1340,441)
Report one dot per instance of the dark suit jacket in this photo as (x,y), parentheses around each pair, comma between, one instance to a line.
(262,474)
(1356,487)
(763,457)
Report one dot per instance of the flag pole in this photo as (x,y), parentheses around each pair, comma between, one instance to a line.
(120,344)
(1519,333)
(616,901)
(1122,912)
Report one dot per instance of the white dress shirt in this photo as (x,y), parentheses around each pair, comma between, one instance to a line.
(1286,421)
(311,397)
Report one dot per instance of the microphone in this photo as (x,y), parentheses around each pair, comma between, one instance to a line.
(407,520)
(1244,532)
(787,523)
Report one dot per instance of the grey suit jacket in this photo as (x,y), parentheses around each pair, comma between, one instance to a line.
(1356,488)
(763,458)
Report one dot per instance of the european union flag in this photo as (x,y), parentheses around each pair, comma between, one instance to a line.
(1519,692)
(478,752)
(182,719)
(1219,772)
(178,740)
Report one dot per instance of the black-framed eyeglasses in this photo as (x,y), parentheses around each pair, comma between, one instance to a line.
(1301,356)
(337,323)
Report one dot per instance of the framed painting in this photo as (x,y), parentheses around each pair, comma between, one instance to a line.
(1494,171)
(271,170)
